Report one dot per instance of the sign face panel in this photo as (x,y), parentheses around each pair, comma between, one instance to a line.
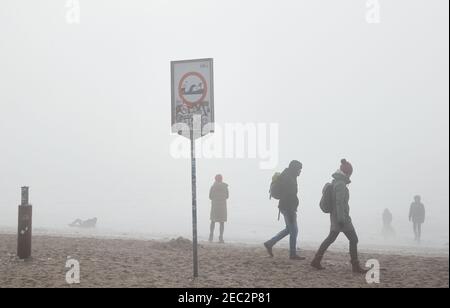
(192,93)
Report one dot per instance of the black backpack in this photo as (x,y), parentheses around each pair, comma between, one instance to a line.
(327,200)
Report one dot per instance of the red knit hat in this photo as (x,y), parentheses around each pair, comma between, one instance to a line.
(219,178)
(346,167)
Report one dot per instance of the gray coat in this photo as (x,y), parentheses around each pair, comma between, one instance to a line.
(218,194)
(340,213)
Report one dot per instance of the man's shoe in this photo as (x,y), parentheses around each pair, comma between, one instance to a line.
(296,257)
(269,249)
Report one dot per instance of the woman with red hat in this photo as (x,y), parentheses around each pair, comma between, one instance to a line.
(340,218)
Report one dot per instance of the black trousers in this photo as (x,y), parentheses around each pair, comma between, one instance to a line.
(352,237)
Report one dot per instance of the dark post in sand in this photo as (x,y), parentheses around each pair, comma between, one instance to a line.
(24,226)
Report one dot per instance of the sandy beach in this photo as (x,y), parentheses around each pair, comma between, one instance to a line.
(149,263)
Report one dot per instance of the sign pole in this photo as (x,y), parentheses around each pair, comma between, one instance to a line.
(194,201)
(192,93)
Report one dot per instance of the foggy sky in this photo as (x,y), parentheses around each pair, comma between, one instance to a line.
(85,109)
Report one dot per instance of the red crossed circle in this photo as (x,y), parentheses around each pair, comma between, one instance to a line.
(180,91)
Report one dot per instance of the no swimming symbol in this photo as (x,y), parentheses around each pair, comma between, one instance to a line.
(192,88)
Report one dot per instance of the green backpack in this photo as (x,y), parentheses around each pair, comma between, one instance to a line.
(327,200)
(275,187)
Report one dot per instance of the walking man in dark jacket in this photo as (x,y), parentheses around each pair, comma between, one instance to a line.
(340,219)
(288,207)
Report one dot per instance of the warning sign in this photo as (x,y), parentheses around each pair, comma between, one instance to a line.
(192,91)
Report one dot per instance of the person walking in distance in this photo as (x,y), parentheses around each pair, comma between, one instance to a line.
(417,216)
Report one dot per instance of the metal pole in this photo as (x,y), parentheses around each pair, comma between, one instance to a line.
(24,226)
(194,202)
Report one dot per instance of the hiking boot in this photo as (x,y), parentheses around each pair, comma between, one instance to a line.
(297,257)
(269,249)
(357,269)
(221,241)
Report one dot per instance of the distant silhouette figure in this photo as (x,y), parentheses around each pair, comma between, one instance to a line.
(340,219)
(388,230)
(417,216)
(218,194)
(89,223)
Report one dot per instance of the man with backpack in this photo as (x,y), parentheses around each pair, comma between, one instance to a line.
(335,201)
(284,188)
